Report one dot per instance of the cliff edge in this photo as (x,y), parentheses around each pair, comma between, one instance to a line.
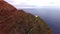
(14,21)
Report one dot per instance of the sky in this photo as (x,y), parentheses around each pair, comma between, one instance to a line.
(34,3)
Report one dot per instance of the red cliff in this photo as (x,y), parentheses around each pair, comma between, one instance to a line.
(13,21)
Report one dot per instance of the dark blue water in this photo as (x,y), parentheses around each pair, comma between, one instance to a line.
(50,15)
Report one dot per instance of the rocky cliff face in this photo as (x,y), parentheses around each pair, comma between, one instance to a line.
(13,21)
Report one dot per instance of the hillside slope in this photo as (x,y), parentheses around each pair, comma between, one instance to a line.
(14,21)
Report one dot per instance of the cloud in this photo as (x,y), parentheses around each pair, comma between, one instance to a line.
(34,3)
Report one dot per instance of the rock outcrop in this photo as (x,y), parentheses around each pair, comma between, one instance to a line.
(14,21)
